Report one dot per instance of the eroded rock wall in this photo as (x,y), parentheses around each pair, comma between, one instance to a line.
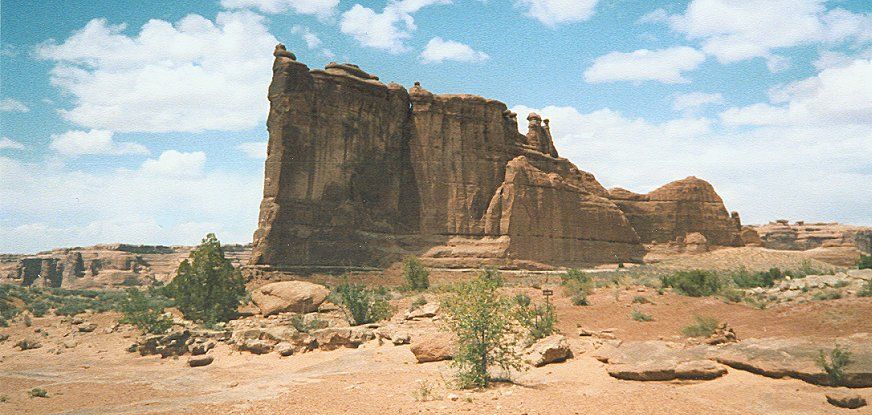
(677,209)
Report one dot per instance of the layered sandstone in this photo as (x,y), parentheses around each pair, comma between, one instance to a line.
(834,243)
(360,173)
(675,210)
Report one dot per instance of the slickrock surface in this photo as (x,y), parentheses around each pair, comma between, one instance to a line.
(361,173)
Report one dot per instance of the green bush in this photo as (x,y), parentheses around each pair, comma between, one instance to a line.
(38,393)
(523,300)
(694,283)
(638,315)
(538,319)
(641,299)
(865,262)
(419,302)
(745,279)
(207,287)
(834,364)
(866,291)
(39,308)
(417,277)
(304,324)
(362,305)
(826,295)
(146,311)
(579,300)
(702,327)
(483,322)
(577,285)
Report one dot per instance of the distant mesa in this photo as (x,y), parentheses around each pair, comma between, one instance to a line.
(360,174)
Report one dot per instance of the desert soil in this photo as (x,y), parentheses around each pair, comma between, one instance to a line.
(98,375)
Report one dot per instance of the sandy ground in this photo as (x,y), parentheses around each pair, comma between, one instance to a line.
(98,376)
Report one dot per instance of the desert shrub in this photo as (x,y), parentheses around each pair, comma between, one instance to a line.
(523,300)
(207,287)
(694,283)
(701,327)
(826,295)
(417,277)
(424,392)
(866,291)
(865,262)
(731,294)
(146,311)
(38,393)
(745,279)
(834,364)
(641,299)
(27,320)
(362,305)
(483,322)
(38,308)
(493,275)
(638,315)
(579,300)
(418,302)
(304,324)
(538,319)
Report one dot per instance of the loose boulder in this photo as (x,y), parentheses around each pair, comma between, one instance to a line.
(846,400)
(202,360)
(289,296)
(433,348)
(552,349)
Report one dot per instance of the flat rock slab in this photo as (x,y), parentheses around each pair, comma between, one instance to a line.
(846,400)
(797,358)
(659,361)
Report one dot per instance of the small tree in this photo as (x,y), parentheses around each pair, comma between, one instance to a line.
(483,322)
(417,277)
(834,364)
(207,287)
(145,312)
(538,319)
(865,262)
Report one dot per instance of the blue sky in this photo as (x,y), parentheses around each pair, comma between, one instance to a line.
(145,122)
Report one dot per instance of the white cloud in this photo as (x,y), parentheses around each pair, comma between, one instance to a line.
(8,143)
(312,40)
(12,105)
(172,163)
(192,76)
(837,95)
(254,150)
(554,12)
(387,30)
(795,171)
(320,8)
(439,50)
(56,207)
(77,143)
(833,59)
(694,100)
(777,63)
(655,16)
(663,65)
(737,30)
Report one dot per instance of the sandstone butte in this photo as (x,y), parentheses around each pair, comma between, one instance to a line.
(360,174)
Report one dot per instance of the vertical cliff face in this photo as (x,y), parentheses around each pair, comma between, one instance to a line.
(360,173)
(677,209)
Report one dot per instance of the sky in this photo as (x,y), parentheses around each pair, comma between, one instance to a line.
(145,122)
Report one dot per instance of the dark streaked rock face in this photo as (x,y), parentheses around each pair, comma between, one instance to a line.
(360,173)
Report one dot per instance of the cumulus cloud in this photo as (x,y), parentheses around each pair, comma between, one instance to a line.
(737,30)
(439,50)
(53,206)
(193,75)
(312,40)
(175,164)
(387,30)
(837,95)
(320,8)
(554,12)
(12,105)
(663,65)
(794,156)
(7,143)
(655,16)
(78,143)
(255,150)
(692,101)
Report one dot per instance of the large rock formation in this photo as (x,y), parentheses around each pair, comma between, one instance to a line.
(360,173)
(834,243)
(677,209)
